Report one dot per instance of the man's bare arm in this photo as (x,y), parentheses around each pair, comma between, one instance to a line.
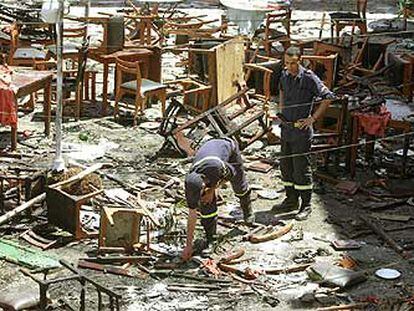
(191,224)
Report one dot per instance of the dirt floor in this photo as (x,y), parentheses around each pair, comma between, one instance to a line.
(137,158)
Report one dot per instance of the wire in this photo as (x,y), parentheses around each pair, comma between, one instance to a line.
(328,149)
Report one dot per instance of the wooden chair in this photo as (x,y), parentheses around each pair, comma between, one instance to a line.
(71,49)
(196,95)
(21,53)
(323,66)
(74,80)
(340,20)
(329,130)
(138,86)
(269,35)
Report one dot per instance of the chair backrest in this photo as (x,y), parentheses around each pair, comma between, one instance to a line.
(333,119)
(278,18)
(75,32)
(127,69)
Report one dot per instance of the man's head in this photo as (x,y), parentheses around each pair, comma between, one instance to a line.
(197,190)
(292,60)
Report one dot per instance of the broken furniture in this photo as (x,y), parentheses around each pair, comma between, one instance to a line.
(71,50)
(255,77)
(329,130)
(270,35)
(80,81)
(144,29)
(120,228)
(401,56)
(192,28)
(362,67)
(323,66)
(234,117)
(340,20)
(22,53)
(327,48)
(63,208)
(27,82)
(18,184)
(377,126)
(26,256)
(219,64)
(196,95)
(44,285)
(131,78)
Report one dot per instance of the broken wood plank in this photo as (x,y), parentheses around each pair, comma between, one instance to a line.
(391,217)
(293,269)
(104,268)
(187,289)
(394,245)
(117,259)
(232,256)
(195,285)
(21,208)
(271,236)
(384,205)
(352,306)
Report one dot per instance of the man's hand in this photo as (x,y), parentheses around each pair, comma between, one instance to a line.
(187,253)
(306,123)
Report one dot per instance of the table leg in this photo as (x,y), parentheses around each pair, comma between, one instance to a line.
(46,107)
(105,89)
(13,137)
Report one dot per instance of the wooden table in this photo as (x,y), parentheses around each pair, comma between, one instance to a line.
(154,66)
(27,82)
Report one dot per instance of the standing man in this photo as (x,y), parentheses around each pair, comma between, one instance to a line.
(217,161)
(299,87)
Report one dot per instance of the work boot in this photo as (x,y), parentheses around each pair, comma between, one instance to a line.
(305,208)
(290,203)
(246,207)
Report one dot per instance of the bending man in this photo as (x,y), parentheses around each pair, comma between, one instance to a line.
(217,161)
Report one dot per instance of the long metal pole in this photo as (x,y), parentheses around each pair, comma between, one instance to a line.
(59,163)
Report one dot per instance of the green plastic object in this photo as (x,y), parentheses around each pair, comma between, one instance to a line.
(26,256)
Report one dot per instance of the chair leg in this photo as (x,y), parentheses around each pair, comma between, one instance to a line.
(139,102)
(163,99)
(93,87)
(78,102)
(118,96)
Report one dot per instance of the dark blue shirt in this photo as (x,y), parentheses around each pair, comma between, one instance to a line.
(217,160)
(299,92)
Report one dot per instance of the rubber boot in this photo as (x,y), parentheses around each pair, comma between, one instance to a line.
(246,207)
(290,203)
(305,208)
